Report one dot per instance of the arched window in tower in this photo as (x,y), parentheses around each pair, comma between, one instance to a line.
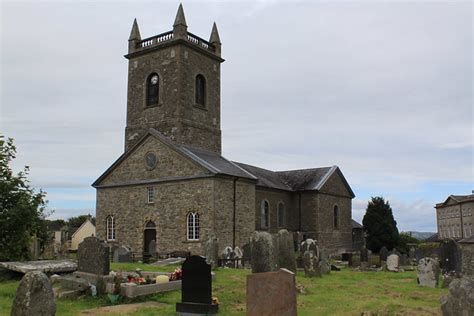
(281,214)
(193,226)
(110,223)
(336,217)
(264,214)
(200,90)
(152,89)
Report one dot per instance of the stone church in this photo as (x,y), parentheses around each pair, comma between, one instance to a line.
(172,189)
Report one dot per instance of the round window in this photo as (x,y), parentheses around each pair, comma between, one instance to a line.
(150,160)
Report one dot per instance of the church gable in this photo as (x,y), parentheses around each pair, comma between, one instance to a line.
(336,184)
(151,159)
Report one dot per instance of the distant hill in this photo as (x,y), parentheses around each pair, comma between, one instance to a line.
(420,235)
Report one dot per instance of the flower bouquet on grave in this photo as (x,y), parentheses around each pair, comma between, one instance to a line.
(177,274)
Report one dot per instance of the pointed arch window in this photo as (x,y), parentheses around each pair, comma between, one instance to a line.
(336,217)
(110,226)
(200,90)
(193,226)
(264,214)
(152,89)
(281,214)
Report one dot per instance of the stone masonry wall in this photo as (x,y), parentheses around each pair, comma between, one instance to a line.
(176,116)
(274,197)
(169,164)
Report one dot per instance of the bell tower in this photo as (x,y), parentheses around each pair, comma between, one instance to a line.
(174,86)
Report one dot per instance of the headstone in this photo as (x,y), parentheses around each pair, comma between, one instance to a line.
(211,250)
(324,265)
(93,257)
(247,255)
(122,254)
(311,264)
(227,253)
(404,260)
(364,255)
(286,254)
(152,248)
(34,296)
(393,262)
(262,252)
(459,301)
(271,293)
(428,272)
(310,244)
(450,256)
(238,253)
(383,253)
(411,253)
(196,288)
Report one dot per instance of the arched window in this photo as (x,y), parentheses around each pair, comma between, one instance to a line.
(336,217)
(265,214)
(152,89)
(281,214)
(110,223)
(193,226)
(200,90)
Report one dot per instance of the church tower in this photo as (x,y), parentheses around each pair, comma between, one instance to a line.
(174,86)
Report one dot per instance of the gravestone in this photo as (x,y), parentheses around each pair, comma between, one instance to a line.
(238,253)
(286,254)
(262,252)
(311,264)
(211,250)
(271,293)
(459,301)
(196,288)
(428,272)
(324,265)
(450,256)
(227,253)
(383,253)
(393,262)
(34,296)
(310,244)
(246,254)
(364,255)
(93,257)
(411,253)
(152,248)
(404,260)
(122,254)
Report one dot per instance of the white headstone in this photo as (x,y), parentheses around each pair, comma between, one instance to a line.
(393,262)
(428,272)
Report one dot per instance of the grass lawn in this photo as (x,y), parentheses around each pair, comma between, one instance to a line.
(339,293)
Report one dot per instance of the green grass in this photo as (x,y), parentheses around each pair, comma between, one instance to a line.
(339,293)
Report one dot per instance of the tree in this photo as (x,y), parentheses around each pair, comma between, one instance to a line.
(379,225)
(404,242)
(79,220)
(22,210)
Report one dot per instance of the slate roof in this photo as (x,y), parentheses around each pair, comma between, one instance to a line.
(356,225)
(294,180)
(433,238)
(458,198)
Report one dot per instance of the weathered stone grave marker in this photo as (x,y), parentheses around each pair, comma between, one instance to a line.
(271,293)
(311,258)
(450,256)
(93,257)
(459,302)
(262,252)
(211,250)
(286,254)
(383,253)
(364,258)
(122,254)
(34,296)
(428,272)
(393,262)
(196,289)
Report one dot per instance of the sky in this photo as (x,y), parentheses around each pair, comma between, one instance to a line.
(382,89)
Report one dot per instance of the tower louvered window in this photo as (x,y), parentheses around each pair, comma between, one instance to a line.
(200,90)
(152,89)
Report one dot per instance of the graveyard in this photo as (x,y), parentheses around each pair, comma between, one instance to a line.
(342,292)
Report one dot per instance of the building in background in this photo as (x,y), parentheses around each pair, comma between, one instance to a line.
(78,234)
(455,217)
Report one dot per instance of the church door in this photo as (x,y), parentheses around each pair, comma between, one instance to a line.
(149,241)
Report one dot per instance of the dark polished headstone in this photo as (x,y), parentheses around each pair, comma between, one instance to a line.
(196,288)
